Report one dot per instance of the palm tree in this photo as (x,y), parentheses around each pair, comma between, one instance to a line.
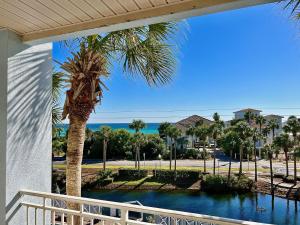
(105,132)
(162,130)
(269,150)
(57,84)
(229,142)
(260,121)
(256,135)
(142,51)
(191,132)
(137,125)
(294,5)
(202,133)
(293,126)
(244,131)
(216,130)
(173,133)
(138,140)
(283,141)
(248,116)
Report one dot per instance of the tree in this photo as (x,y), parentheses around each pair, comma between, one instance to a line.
(243,130)
(256,135)
(142,51)
(57,84)
(202,133)
(293,126)
(105,132)
(230,141)
(283,142)
(162,130)
(249,116)
(191,132)
(137,125)
(269,151)
(260,121)
(216,130)
(138,140)
(173,133)
(294,5)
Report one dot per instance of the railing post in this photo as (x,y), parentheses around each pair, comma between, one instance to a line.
(124,216)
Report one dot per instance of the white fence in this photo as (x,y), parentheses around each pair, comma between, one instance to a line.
(45,208)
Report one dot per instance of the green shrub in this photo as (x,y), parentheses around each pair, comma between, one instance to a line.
(279,175)
(220,184)
(190,153)
(168,175)
(103,174)
(133,173)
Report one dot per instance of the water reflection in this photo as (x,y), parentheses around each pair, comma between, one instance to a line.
(252,207)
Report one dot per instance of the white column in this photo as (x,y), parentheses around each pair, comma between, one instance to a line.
(25,123)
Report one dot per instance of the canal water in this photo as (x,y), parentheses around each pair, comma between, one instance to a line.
(252,207)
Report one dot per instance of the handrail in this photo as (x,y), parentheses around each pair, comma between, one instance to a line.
(125,208)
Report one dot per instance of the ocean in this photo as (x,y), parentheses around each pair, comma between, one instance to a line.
(151,128)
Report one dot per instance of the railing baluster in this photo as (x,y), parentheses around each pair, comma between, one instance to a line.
(92,221)
(124,216)
(27,215)
(81,211)
(72,219)
(44,211)
(62,219)
(53,217)
(35,216)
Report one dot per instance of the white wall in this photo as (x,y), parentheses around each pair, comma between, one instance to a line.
(25,119)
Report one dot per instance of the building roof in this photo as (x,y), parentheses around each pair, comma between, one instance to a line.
(248,110)
(191,121)
(49,20)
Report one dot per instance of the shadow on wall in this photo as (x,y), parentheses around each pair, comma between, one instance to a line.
(28,124)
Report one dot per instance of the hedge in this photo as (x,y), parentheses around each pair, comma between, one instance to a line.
(133,173)
(180,175)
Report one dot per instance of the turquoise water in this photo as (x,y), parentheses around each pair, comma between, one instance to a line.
(242,207)
(151,128)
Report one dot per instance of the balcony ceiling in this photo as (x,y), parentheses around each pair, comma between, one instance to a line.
(48,20)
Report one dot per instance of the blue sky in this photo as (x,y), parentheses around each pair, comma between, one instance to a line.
(230,60)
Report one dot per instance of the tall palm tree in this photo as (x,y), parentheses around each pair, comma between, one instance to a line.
(248,116)
(260,121)
(138,140)
(137,125)
(229,142)
(191,132)
(293,126)
(284,142)
(269,150)
(162,130)
(57,85)
(142,51)
(256,135)
(216,130)
(244,131)
(105,132)
(173,133)
(202,133)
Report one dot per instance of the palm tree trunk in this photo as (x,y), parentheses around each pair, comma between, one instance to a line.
(215,149)
(295,167)
(229,169)
(104,153)
(76,139)
(139,157)
(241,160)
(204,158)
(171,155)
(255,162)
(175,158)
(286,163)
(136,157)
(271,173)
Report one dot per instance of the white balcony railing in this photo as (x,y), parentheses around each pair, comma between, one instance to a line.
(45,208)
